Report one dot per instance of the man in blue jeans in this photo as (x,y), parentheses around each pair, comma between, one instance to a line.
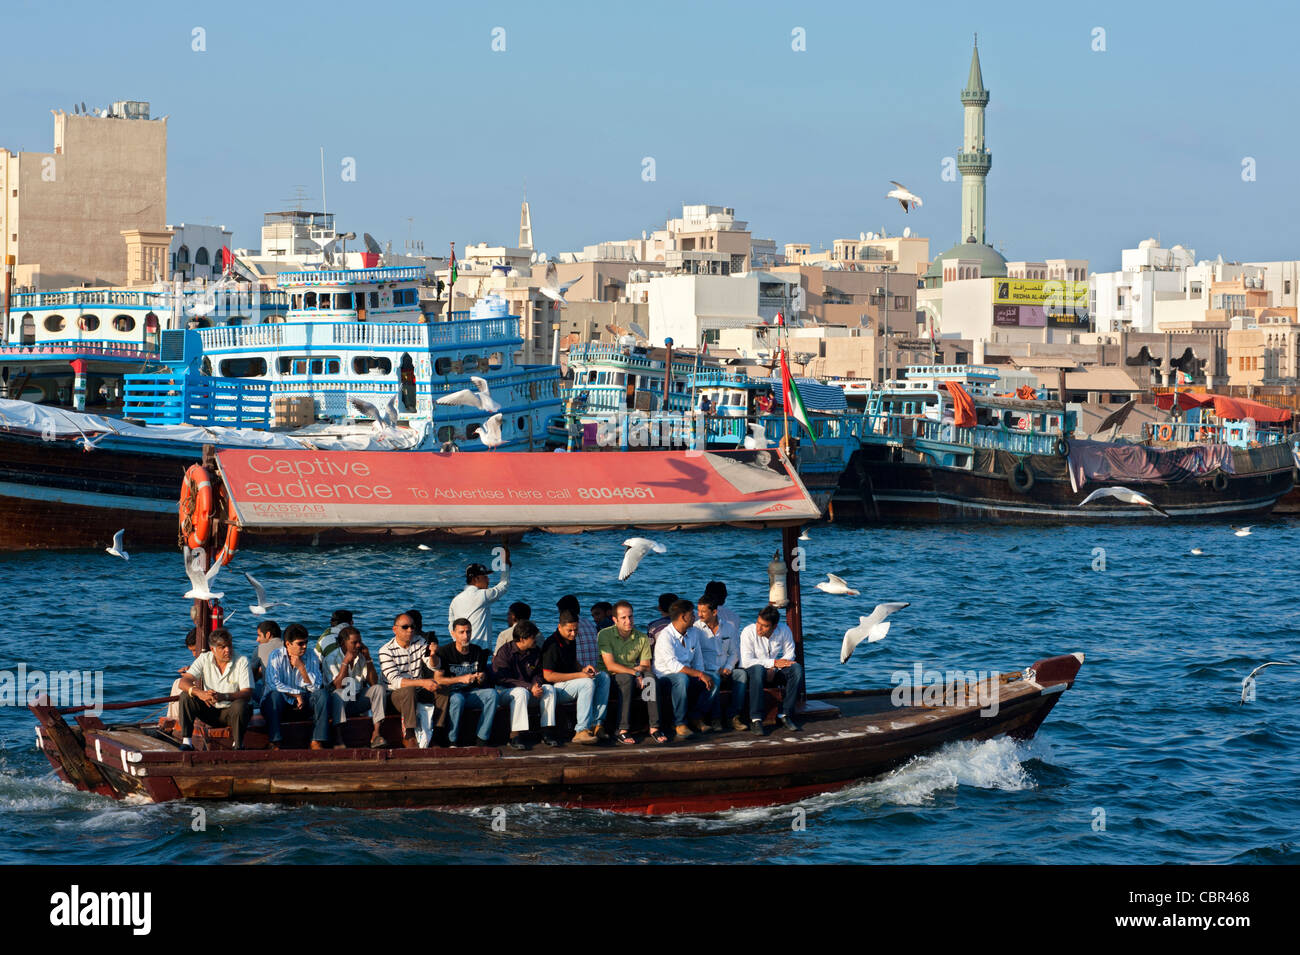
(462,671)
(584,684)
(680,673)
(767,657)
(294,682)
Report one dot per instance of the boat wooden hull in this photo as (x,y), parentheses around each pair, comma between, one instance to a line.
(865,737)
(879,488)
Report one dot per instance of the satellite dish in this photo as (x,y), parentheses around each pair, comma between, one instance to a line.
(371,245)
(862,237)
(83,106)
(907,232)
(75,110)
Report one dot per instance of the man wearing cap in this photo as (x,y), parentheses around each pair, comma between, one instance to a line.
(588,636)
(474,603)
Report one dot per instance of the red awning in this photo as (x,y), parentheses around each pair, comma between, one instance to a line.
(271,489)
(1229,409)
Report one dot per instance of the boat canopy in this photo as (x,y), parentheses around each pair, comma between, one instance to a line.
(270,490)
(1229,409)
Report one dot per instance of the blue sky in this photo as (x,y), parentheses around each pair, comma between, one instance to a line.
(1092,151)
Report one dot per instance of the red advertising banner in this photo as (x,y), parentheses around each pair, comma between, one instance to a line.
(389,489)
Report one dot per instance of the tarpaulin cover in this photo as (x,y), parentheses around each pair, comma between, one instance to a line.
(1107,463)
(518,491)
(1229,409)
(963,405)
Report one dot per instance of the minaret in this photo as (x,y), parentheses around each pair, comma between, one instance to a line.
(525,227)
(973,160)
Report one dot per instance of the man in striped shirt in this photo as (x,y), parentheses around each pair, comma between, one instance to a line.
(403,662)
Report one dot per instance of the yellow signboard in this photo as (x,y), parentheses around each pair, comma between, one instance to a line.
(1054,294)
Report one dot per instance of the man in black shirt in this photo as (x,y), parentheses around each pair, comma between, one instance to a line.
(586,685)
(517,673)
(462,672)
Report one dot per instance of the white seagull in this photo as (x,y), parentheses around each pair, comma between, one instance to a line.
(1125,495)
(481,399)
(871,629)
(89,444)
(200,578)
(489,432)
(803,536)
(1243,531)
(1250,677)
(836,585)
(261,608)
(904,196)
(117,550)
(384,418)
(757,438)
(552,288)
(1197,552)
(423,547)
(637,547)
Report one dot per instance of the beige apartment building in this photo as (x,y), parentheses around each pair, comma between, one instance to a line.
(64,212)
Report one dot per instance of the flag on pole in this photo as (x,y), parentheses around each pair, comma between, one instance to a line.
(453,263)
(790,396)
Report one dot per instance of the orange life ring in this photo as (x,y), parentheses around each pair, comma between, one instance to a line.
(1165,433)
(196,506)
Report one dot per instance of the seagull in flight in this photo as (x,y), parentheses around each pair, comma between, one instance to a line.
(261,608)
(384,418)
(1243,531)
(836,585)
(423,547)
(1197,552)
(552,288)
(117,550)
(803,535)
(906,198)
(870,628)
(481,398)
(92,444)
(199,578)
(1250,677)
(1125,495)
(490,432)
(637,547)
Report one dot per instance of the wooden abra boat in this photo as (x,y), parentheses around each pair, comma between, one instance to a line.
(848,735)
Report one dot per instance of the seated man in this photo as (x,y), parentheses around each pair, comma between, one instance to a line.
(462,672)
(268,641)
(602,614)
(401,660)
(588,686)
(294,682)
(588,652)
(717,590)
(517,673)
(625,651)
(192,645)
(518,613)
(663,620)
(227,699)
(679,669)
(720,645)
(354,686)
(328,641)
(767,657)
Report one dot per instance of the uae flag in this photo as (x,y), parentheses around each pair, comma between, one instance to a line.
(793,402)
(453,263)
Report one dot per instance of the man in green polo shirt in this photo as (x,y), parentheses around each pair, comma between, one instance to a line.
(625,653)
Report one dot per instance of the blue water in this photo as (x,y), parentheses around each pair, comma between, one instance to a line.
(1152,735)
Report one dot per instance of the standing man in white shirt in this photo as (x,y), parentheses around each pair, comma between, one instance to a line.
(474,604)
(767,657)
(720,644)
(679,670)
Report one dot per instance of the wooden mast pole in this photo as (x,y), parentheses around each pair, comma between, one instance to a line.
(794,609)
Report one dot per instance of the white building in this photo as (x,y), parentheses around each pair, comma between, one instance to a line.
(688,308)
(1126,299)
(195,251)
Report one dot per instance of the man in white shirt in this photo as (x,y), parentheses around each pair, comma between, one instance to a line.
(720,644)
(217,689)
(355,687)
(474,603)
(680,672)
(767,657)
